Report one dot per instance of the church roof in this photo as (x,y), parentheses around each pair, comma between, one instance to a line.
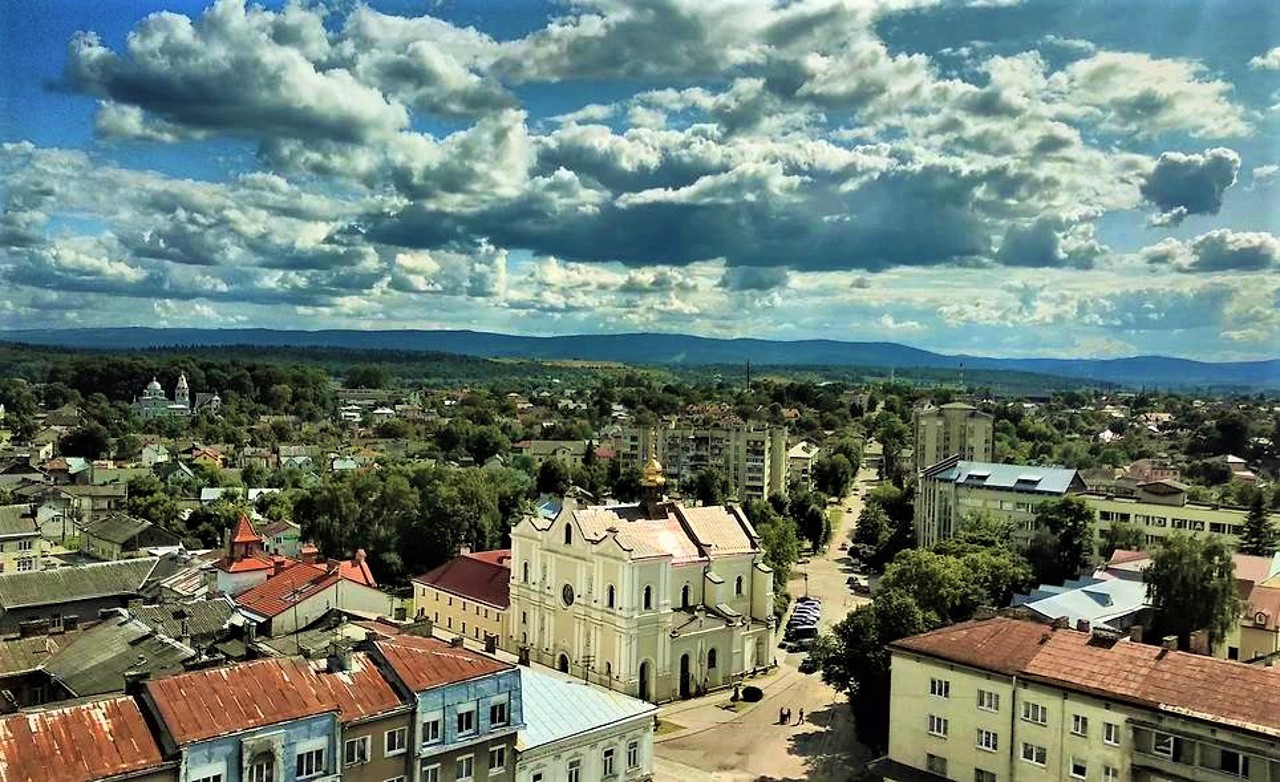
(244,532)
(683,534)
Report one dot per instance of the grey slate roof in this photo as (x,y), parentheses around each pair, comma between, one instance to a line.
(17,520)
(1010,477)
(95,663)
(68,584)
(557,707)
(118,528)
(203,617)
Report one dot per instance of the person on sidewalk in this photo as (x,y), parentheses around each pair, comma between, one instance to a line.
(801,717)
(782,716)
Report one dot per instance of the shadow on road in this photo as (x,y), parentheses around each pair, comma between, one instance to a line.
(830,750)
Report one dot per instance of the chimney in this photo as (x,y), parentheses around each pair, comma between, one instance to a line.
(1135,634)
(360,556)
(1170,642)
(1061,623)
(463,549)
(277,567)
(456,642)
(339,659)
(1082,625)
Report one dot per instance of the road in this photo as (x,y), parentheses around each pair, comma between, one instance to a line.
(716,745)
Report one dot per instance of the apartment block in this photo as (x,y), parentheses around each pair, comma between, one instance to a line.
(1163,507)
(754,457)
(955,429)
(1004,699)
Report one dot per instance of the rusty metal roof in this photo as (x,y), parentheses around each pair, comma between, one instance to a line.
(360,691)
(281,592)
(423,663)
(204,704)
(80,743)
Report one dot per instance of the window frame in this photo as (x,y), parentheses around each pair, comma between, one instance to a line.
(937,726)
(1071,768)
(935,764)
(633,755)
(470,759)
(1035,749)
(574,770)
(988,700)
(609,762)
(1156,737)
(308,751)
(357,742)
(504,703)
(1030,709)
(435,718)
(387,750)
(498,768)
(993,745)
(940,688)
(1079,725)
(1109,728)
(468,711)
(430,773)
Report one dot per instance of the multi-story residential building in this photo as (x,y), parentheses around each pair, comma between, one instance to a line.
(800,460)
(569,452)
(22,549)
(952,489)
(1161,507)
(954,429)
(56,595)
(468,709)
(577,731)
(752,456)
(284,719)
(469,595)
(117,535)
(104,740)
(653,599)
(1005,699)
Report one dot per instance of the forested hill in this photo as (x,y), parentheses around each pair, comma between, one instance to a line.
(681,349)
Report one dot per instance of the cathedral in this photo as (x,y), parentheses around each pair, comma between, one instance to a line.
(154,404)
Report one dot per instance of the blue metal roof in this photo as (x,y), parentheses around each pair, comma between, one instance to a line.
(1009,477)
(1098,601)
(557,707)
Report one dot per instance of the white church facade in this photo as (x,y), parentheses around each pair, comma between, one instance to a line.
(653,599)
(154,404)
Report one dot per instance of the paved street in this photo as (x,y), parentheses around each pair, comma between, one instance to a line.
(715,744)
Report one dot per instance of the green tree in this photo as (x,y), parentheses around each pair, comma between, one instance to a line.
(1258,536)
(1065,540)
(778,539)
(553,478)
(833,475)
(710,486)
(91,441)
(368,376)
(937,583)
(1191,586)
(1122,536)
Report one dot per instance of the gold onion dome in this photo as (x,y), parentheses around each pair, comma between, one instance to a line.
(652,473)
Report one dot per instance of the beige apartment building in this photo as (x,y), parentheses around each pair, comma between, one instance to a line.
(468,595)
(752,456)
(1162,507)
(1008,699)
(654,599)
(954,429)
(800,460)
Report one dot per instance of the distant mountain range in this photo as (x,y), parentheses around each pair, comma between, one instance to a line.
(1136,371)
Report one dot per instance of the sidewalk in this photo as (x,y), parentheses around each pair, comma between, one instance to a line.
(697,715)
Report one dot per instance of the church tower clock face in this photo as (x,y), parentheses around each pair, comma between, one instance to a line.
(566,594)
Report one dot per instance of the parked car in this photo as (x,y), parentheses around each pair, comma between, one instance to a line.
(814,615)
(808,599)
(860,583)
(798,635)
(804,644)
(809,664)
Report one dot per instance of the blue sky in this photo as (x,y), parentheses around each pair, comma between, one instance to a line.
(1000,177)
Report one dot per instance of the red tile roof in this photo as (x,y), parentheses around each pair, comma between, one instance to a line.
(244,532)
(1215,690)
(245,565)
(357,570)
(87,741)
(484,577)
(203,704)
(280,592)
(423,663)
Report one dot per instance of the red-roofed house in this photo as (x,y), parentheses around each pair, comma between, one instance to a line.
(467,595)
(96,741)
(1004,698)
(302,593)
(245,565)
(282,718)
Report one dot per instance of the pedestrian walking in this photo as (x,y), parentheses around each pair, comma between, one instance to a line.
(801,717)
(782,715)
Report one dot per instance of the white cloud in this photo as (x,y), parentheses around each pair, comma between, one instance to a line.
(1268,60)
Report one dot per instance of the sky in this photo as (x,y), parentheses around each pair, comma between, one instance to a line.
(1082,178)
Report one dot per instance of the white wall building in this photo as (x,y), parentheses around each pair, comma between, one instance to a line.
(654,599)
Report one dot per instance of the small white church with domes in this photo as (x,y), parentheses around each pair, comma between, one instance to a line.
(154,404)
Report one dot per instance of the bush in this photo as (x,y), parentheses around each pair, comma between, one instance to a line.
(752,694)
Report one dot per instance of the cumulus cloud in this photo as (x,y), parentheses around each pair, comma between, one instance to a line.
(754,278)
(1267,61)
(1180,184)
(1221,250)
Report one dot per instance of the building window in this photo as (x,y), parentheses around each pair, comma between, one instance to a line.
(607,762)
(262,768)
(988,701)
(209,778)
(1111,733)
(431,773)
(310,764)
(1110,774)
(26,564)
(395,779)
(937,726)
(648,598)
(498,713)
(575,771)
(684,596)
(988,740)
(568,534)
(466,720)
(711,660)
(1079,769)
(465,768)
(1079,725)
(395,742)
(497,760)
(633,755)
(940,688)
(355,751)
(737,586)
(982,775)
(1233,763)
(1162,745)
(1034,754)
(524,572)
(24,545)
(431,730)
(1035,712)
(937,764)
(609,596)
